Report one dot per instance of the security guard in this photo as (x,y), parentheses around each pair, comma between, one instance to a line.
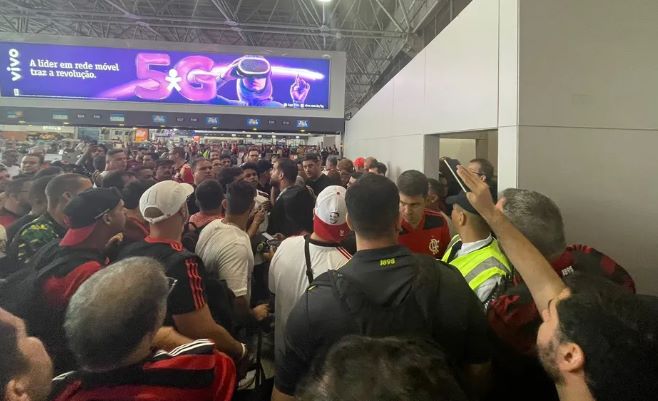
(475,252)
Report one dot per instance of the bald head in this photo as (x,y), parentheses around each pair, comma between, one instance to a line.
(115,312)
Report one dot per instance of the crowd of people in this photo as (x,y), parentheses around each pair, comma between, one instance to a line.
(166,274)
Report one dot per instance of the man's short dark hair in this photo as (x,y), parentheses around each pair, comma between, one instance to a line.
(153,155)
(113,152)
(413,183)
(240,197)
(617,332)
(373,206)
(288,168)
(332,160)
(48,171)
(209,195)
(38,156)
(435,186)
(15,186)
(38,189)
(197,161)
(111,313)
(134,191)
(61,184)
(228,175)
(406,369)
(114,179)
(250,166)
(263,166)
(381,167)
(178,151)
(224,156)
(164,162)
(12,363)
(99,163)
(314,157)
(486,167)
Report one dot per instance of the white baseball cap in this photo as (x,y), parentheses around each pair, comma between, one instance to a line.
(164,200)
(329,215)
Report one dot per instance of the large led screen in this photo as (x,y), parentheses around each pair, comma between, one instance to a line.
(134,75)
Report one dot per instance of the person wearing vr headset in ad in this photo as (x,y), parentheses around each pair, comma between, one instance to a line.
(254,84)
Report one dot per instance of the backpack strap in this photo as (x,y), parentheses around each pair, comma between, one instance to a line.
(307,255)
(77,257)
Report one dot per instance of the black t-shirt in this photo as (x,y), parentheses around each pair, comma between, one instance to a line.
(321,183)
(189,294)
(385,277)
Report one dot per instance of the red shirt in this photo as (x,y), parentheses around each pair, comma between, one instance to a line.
(7,217)
(514,317)
(431,237)
(194,371)
(200,219)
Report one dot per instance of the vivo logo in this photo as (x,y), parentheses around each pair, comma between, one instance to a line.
(14,65)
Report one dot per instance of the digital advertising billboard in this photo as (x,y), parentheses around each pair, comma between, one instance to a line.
(29,70)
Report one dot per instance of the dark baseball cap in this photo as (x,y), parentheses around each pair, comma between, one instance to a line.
(461,200)
(83,212)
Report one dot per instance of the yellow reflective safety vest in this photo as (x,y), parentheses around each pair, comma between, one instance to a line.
(480,265)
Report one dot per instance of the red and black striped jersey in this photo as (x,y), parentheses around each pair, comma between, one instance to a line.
(514,317)
(431,237)
(194,371)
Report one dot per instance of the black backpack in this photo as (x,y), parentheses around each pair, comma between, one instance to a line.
(191,236)
(21,294)
(410,318)
(219,296)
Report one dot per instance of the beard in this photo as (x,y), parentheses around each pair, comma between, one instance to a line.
(547,357)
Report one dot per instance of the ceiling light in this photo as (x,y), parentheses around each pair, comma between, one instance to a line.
(324,1)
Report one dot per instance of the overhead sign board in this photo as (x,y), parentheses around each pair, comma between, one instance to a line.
(55,71)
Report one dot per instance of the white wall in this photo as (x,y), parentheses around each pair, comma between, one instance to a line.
(450,86)
(460,149)
(588,129)
(605,184)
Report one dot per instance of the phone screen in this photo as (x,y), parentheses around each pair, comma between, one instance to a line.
(452,166)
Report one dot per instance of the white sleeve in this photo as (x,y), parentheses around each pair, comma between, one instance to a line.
(234,268)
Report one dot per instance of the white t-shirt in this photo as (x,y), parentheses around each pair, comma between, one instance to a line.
(226,253)
(288,280)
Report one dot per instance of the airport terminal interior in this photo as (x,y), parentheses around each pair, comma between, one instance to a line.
(328,200)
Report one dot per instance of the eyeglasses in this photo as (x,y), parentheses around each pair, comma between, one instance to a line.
(171,282)
(476,173)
